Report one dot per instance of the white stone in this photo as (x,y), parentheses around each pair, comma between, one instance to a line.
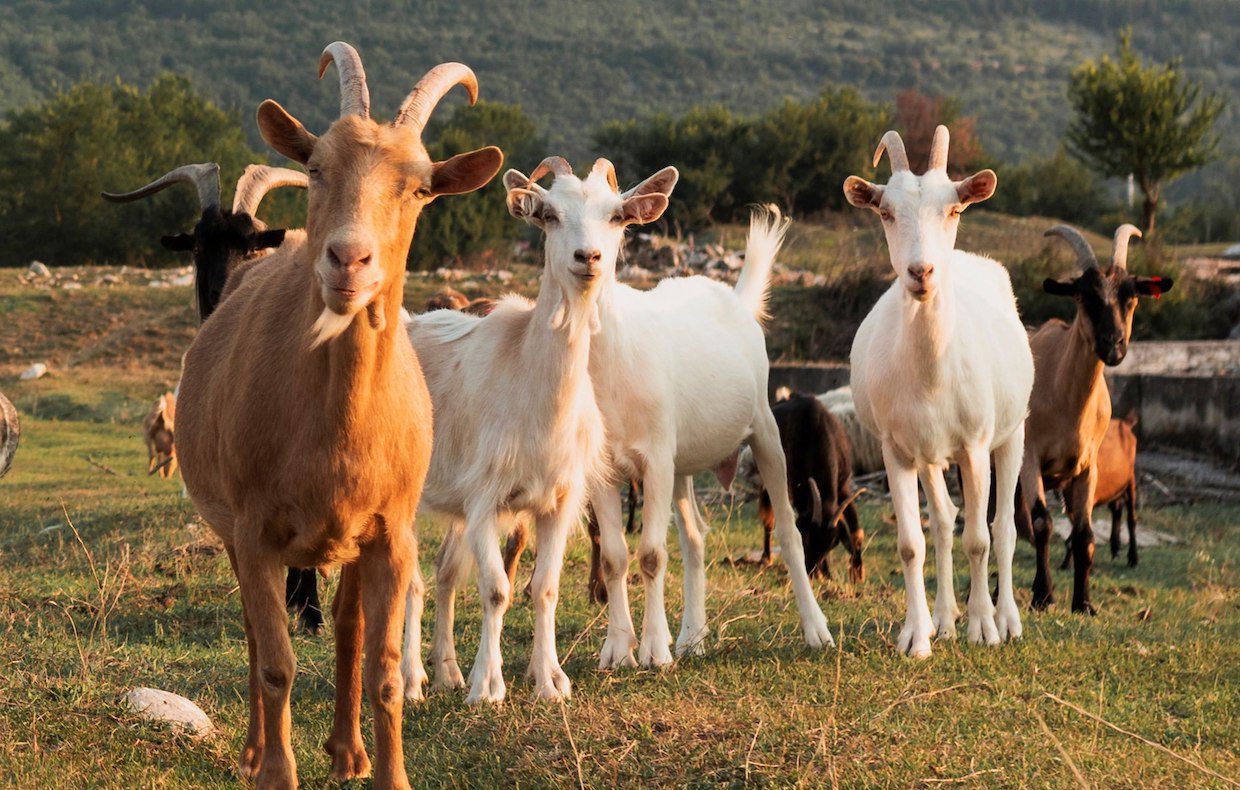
(177,711)
(36,371)
(71,286)
(182,279)
(39,269)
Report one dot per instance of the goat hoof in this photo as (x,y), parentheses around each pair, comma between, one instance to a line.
(1007,621)
(448,676)
(555,687)
(944,622)
(1132,561)
(914,639)
(349,760)
(617,652)
(656,655)
(415,684)
(250,761)
(1042,600)
(692,641)
(1085,608)
(488,686)
(817,633)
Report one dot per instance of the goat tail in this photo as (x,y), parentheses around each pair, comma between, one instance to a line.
(767,226)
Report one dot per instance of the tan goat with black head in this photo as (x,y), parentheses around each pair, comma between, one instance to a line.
(305,430)
(1070,407)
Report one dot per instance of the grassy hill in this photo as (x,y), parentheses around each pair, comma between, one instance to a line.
(574,65)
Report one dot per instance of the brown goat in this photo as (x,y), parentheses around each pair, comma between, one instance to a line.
(1070,407)
(1117,484)
(157,430)
(306,424)
(447,298)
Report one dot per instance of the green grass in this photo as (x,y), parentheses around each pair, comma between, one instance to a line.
(159,608)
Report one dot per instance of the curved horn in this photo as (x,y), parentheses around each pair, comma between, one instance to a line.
(605,167)
(354,95)
(894,146)
(1119,249)
(1084,253)
(552,164)
(206,177)
(425,96)
(816,498)
(938,149)
(258,180)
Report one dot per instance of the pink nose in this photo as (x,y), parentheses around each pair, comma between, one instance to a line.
(920,272)
(349,254)
(589,257)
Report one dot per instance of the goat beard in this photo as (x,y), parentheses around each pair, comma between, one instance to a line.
(330,325)
(560,315)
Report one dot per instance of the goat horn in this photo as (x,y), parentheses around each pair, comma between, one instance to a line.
(1084,253)
(426,95)
(816,498)
(605,167)
(1119,250)
(894,146)
(206,177)
(938,149)
(354,95)
(258,180)
(552,164)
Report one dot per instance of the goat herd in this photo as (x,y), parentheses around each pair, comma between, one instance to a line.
(314,416)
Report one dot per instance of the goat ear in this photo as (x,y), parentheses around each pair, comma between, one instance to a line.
(644,209)
(515,179)
(1153,286)
(661,183)
(182,242)
(526,205)
(1058,288)
(285,133)
(466,172)
(977,187)
(862,193)
(269,238)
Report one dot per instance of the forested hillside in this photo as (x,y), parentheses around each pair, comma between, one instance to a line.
(575,65)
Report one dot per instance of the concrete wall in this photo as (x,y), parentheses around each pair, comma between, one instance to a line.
(1180,397)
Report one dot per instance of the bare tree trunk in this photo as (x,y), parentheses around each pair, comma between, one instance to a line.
(1149,208)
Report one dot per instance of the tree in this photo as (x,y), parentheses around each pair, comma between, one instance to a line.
(1148,121)
(917,116)
(57,156)
(467,224)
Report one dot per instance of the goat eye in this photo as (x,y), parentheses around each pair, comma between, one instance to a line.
(549,217)
(617,218)
(954,211)
(313,171)
(886,215)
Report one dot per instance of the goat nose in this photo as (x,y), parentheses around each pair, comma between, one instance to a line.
(349,254)
(921,271)
(591,257)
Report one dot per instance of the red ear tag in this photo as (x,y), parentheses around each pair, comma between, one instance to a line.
(1157,285)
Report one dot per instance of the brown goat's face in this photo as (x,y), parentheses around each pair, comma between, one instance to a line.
(1107,303)
(368,184)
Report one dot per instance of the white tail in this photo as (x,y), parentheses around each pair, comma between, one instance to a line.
(767,227)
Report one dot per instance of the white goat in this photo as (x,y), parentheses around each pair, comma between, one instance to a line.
(941,371)
(517,429)
(680,373)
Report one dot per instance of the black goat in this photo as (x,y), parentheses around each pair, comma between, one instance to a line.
(221,241)
(819,483)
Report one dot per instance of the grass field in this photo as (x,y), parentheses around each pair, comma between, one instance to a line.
(136,593)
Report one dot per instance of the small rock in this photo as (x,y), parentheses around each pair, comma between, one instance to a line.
(36,371)
(182,280)
(39,269)
(178,712)
(110,279)
(71,286)
(157,284)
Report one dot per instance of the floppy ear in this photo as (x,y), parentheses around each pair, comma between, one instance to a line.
(515,179)
(182,242)
(285,133)
(466,172)
(977,187)
(644,209)
(1153,286)
(525,204)
(269,238)
(661,183)
(862,193)
(1059,288)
